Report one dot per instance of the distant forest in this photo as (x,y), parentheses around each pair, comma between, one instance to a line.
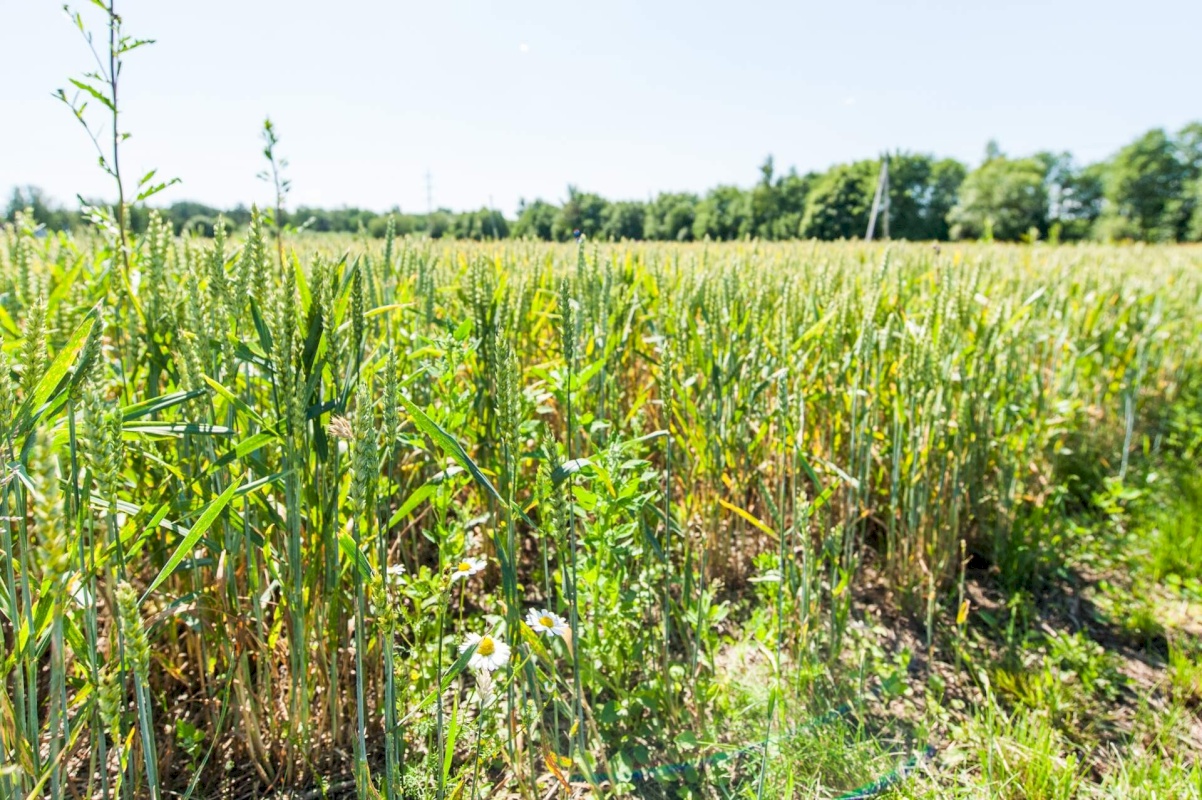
(1150,190)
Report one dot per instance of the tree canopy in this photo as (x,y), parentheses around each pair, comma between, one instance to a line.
(1150,190)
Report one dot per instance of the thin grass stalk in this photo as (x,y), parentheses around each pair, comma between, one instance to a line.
(364,473)
(393,736)
(24,738)
(28,655)
(568,338)
(668,396)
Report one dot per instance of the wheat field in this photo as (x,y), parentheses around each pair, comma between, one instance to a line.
(446,519)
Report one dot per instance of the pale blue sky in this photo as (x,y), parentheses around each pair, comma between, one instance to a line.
(519,99)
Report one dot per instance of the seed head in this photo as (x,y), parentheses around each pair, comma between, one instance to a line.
(137,649)
(340,428)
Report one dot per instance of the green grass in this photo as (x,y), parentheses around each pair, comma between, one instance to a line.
(1175,531)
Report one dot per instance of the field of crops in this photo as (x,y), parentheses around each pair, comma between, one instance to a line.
(418,519)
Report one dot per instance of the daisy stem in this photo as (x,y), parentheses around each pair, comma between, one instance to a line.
(360,705)
(569,340)
(476,765)
(438,724)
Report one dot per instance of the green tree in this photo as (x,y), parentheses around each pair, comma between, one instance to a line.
(921,193)
(792,191)
(1189,151)
(1074,195)
(403,224)
(535,220)
(624,220)
(439,224)
(670,217)
(43,210)
(1003,198)
(584,212)
(722,215)
(487,223)
(839,205)
(1193,232)
(763,205)
(193,216)
(1145,190)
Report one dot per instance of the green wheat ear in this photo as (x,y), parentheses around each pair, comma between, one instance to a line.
(364,454)
(21,253)
(8,396)
(33,352)
(389,241)
(256,254)
(358,314)
(157,283)
(137,647)
(391,415)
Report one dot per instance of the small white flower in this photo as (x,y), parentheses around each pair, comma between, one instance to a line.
(490,653)
(467,568)
(547,622)
(396,573)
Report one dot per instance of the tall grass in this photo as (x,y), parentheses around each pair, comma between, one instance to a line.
(232,522)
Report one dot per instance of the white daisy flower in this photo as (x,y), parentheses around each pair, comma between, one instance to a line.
(547,622)
(396,573)
(467,568)
(490,653)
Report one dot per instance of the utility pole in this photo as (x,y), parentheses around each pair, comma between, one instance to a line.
(880,202)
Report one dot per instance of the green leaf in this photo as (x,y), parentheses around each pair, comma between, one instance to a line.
(239,404)
(7,323)
(569,468)
(92,90)
(456,451)
(128,44)
(176,429)
(239,451)
(452,447)
(347,544)
(686,740)
(151,191)
(818,327)
(534,643)
(417,498)
(160,403)
(266,479)
(585,375)
(207,517)
(459,666)
(822,499)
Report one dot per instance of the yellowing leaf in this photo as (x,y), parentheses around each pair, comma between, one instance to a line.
(551,760)
(747,516)
(962,614)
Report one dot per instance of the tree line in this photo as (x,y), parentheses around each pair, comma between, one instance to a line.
(1150,190)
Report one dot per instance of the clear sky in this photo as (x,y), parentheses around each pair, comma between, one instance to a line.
(621,97)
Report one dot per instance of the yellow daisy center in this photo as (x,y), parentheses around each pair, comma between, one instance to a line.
(486,646)
(464,566)
(546,621)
